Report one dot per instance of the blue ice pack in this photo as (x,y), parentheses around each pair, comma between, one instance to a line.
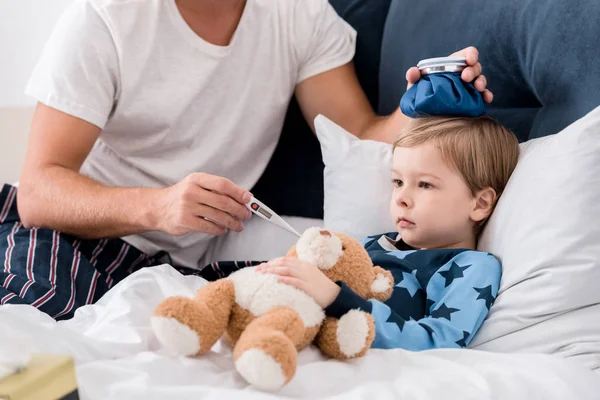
(442,93)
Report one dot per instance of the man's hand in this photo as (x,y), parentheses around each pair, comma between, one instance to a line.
(303,276)
(337,95)
(202,203)
(469,74)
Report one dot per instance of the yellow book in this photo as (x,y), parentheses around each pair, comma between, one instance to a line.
(46,377)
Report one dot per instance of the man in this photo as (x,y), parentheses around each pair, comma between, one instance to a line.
(154,119)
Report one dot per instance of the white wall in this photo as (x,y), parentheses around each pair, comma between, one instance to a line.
(24,27)
(14,129)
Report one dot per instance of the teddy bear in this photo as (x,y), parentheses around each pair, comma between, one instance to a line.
(267,322)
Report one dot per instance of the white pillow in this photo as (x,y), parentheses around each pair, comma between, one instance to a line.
(546,232)
(357,180)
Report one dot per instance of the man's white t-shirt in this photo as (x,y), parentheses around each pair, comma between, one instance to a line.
(170,103)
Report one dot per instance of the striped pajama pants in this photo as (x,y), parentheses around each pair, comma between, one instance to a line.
(57,273)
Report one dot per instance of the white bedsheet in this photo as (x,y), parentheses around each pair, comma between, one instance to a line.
(117,357)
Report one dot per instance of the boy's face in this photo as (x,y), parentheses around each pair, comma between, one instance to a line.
(431,205)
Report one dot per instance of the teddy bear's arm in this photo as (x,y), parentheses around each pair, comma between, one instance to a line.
(348,337)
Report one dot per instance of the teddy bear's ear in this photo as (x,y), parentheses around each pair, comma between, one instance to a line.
(382,285)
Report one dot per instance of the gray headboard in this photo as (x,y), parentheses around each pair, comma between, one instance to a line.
(541,58)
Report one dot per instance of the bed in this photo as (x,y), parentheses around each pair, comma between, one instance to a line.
(118,357)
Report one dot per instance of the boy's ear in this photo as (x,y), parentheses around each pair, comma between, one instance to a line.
(483,204)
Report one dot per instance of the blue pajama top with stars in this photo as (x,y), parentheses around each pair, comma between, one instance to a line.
(440,298)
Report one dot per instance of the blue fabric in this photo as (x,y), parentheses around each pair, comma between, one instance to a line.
(367,17)
(440,298)
(542,62)
(55,272)
(442,94)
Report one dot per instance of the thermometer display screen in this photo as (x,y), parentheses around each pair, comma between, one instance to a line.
(265,213)
(258,208)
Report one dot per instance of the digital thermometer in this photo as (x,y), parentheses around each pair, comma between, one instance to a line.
(259,208)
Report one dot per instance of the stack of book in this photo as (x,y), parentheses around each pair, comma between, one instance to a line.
(46,377)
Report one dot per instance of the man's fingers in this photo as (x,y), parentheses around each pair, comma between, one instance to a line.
(222,186)
(224,203)
(480,83)
(412,76)
(488,96)
(219,217)
(199,224)
(470,73)
(471,54)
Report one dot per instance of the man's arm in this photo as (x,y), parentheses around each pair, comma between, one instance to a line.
(337,95)
(53,194)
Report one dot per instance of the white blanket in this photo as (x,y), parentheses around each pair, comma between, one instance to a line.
(117,357)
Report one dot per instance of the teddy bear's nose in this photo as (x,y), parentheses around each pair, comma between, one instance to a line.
(325,232)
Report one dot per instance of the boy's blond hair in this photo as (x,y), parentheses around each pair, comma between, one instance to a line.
(483,151)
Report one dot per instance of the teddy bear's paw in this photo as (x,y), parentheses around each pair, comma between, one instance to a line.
(381,284)
(261,370)
(183,325)
(265,357)
(355,332)
(176,336)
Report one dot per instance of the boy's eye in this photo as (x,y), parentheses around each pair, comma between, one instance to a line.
(425,185)
(397,182)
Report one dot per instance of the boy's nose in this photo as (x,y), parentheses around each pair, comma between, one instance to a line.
(403,199)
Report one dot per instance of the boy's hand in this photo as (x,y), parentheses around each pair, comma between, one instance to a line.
(303,276)
(470,74)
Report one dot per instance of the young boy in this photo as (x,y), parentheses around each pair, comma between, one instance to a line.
(447,175)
